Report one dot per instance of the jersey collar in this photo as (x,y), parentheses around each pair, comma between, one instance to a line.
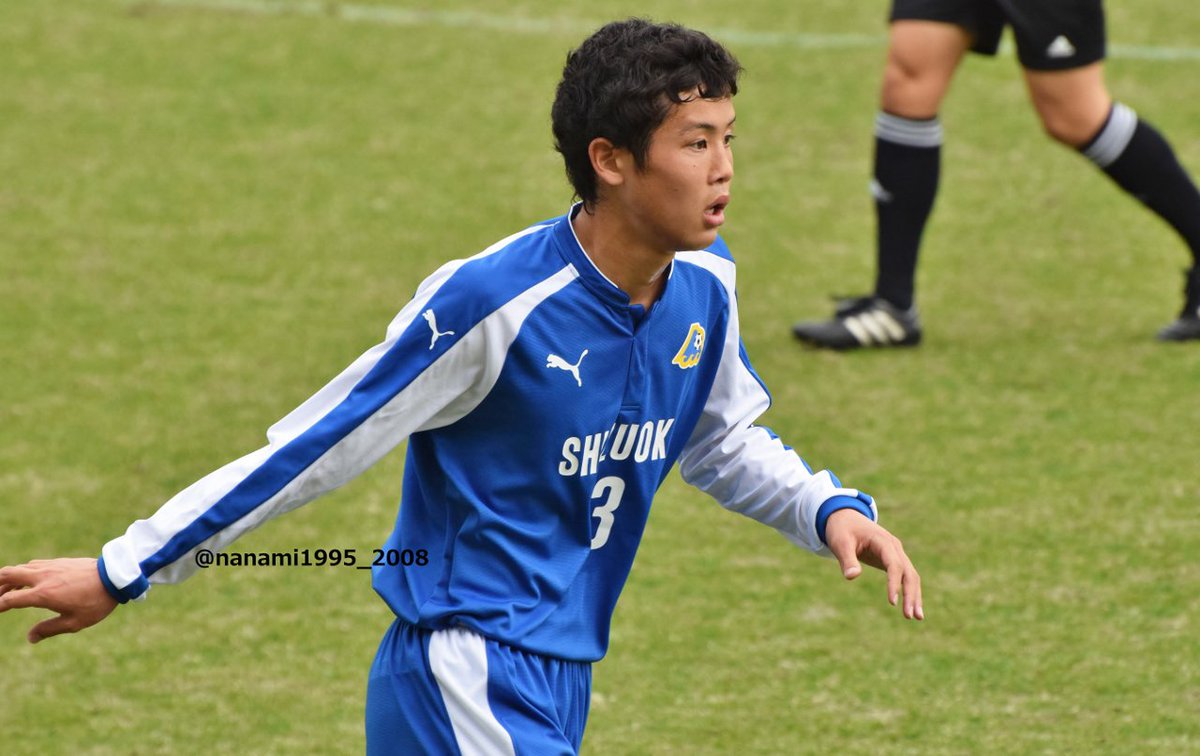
(596,281)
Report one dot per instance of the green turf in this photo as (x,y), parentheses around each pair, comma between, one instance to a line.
(205,214)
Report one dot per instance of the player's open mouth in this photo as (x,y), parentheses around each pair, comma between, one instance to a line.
(714,214)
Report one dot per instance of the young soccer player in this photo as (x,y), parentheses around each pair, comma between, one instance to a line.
(1061,49)
(546,386)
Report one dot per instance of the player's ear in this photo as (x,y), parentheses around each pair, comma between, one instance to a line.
(609,162)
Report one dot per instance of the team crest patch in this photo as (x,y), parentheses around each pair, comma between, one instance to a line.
(693,347)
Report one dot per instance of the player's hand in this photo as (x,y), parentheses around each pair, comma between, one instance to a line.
(852,537)
(70,587)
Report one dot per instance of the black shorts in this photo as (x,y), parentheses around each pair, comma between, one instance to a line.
(1052,35)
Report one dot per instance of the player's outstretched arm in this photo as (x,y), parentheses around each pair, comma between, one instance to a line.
(852,537)
(70,587)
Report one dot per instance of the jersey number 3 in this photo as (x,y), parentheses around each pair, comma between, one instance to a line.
(611,489)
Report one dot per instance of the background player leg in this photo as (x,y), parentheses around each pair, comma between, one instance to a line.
(1077,110)
(922,58)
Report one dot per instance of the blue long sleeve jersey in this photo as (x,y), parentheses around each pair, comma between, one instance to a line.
(543,411)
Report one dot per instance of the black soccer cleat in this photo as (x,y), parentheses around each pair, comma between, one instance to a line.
(1187,326)
(863,322)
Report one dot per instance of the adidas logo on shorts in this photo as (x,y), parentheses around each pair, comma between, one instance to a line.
(1061,47)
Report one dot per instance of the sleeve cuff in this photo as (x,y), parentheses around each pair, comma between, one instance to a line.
(132,591)
(861,504)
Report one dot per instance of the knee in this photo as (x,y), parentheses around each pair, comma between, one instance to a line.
(1072,105)
(1072,121)
(910,90)
(1068,127)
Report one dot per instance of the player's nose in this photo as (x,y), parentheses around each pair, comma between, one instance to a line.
(722,168)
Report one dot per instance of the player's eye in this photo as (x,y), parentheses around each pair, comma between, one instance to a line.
(729,139)
(699,144)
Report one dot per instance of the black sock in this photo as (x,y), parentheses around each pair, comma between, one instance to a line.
(1136,156)
(907,164)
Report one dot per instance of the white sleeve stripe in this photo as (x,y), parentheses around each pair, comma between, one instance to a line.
(311,455)
(725,272)
(745,467)
(720,267)
(334,393)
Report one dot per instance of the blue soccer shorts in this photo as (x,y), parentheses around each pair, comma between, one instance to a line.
(453,691)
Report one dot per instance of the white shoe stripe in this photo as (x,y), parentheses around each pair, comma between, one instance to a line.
(889,324)
(855,327)
(875,327)
(870,321)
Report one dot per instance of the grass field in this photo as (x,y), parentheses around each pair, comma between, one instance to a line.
(207,210)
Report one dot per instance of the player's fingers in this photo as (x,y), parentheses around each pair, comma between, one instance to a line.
(21,599)
(54,626)
(895,578)
(885,552)
(903,579)
(911,585)
(909,581)
(17,576)
(912,595)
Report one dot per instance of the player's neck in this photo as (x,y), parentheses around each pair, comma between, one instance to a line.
(629,261)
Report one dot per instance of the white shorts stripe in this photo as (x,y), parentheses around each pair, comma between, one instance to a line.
(458,658)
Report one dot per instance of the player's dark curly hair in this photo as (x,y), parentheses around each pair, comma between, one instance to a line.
(621,84)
